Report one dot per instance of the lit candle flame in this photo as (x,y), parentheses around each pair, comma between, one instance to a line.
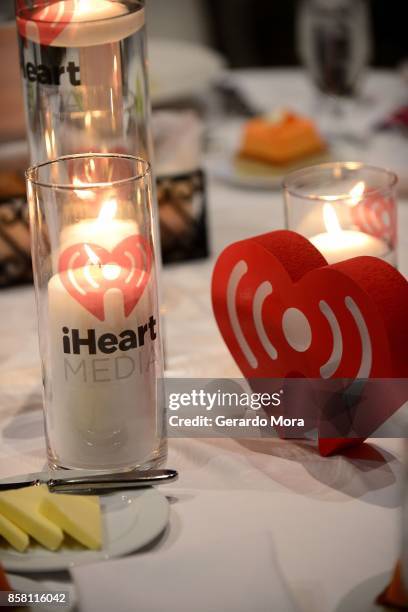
(92,256)
(330,219)
(356,192)
(110,271)
(106,214)
(84,6)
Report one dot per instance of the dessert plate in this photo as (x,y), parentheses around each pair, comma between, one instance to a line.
(130,520)
(224,164)
(256,175)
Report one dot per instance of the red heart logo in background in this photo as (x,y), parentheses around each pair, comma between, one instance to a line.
(284,312)
(50,18)
(376,215)
(88,271)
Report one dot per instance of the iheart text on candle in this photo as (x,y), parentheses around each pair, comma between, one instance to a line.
(73,343)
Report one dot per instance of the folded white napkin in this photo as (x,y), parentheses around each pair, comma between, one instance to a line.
(205,565)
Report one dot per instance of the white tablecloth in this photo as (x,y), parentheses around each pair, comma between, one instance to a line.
(334,521)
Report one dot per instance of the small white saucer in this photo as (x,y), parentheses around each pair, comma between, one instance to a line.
(224,163)
(131,520)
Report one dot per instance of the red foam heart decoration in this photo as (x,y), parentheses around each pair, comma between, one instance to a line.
(83,271)
(283,311)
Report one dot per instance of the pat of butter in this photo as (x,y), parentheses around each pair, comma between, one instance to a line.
(22,507)
(78,515)
(15,536)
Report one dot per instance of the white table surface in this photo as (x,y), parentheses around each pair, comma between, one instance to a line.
(335,521)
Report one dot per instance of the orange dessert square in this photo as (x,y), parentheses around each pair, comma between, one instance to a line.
(281,140)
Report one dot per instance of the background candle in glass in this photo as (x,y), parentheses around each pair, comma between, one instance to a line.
(338,244)
(346,209)
(78,16)
(96,288)
(84,76)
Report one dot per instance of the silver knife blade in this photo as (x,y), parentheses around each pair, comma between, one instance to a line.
(91,482)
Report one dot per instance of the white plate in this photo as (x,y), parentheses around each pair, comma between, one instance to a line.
(384,149)
(362,597)
(130,520)
(257,175)
(180,70)
(225,141)
(223,167)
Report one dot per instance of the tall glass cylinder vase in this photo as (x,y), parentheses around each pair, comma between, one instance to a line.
(85,82)
(83,64)
(96,286)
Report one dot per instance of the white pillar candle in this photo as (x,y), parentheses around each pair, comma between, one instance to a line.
(106,231)
(347,244)
(103,403)
(337,244)
(89,231)
(85,22)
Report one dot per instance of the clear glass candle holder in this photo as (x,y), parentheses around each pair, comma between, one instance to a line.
(346,209)
(84,76)
(95,275)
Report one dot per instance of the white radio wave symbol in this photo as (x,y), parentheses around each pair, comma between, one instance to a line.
(296,327)
(110,271)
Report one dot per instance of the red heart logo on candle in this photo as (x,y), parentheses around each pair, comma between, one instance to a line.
(88,271)
(50,20)
(283,311)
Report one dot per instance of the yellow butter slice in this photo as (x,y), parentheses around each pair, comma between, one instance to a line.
(15,536)
(78,515)
(22,507)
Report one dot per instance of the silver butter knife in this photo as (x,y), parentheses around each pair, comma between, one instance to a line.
(93,483)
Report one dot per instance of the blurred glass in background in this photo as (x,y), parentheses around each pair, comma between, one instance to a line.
(334,42)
